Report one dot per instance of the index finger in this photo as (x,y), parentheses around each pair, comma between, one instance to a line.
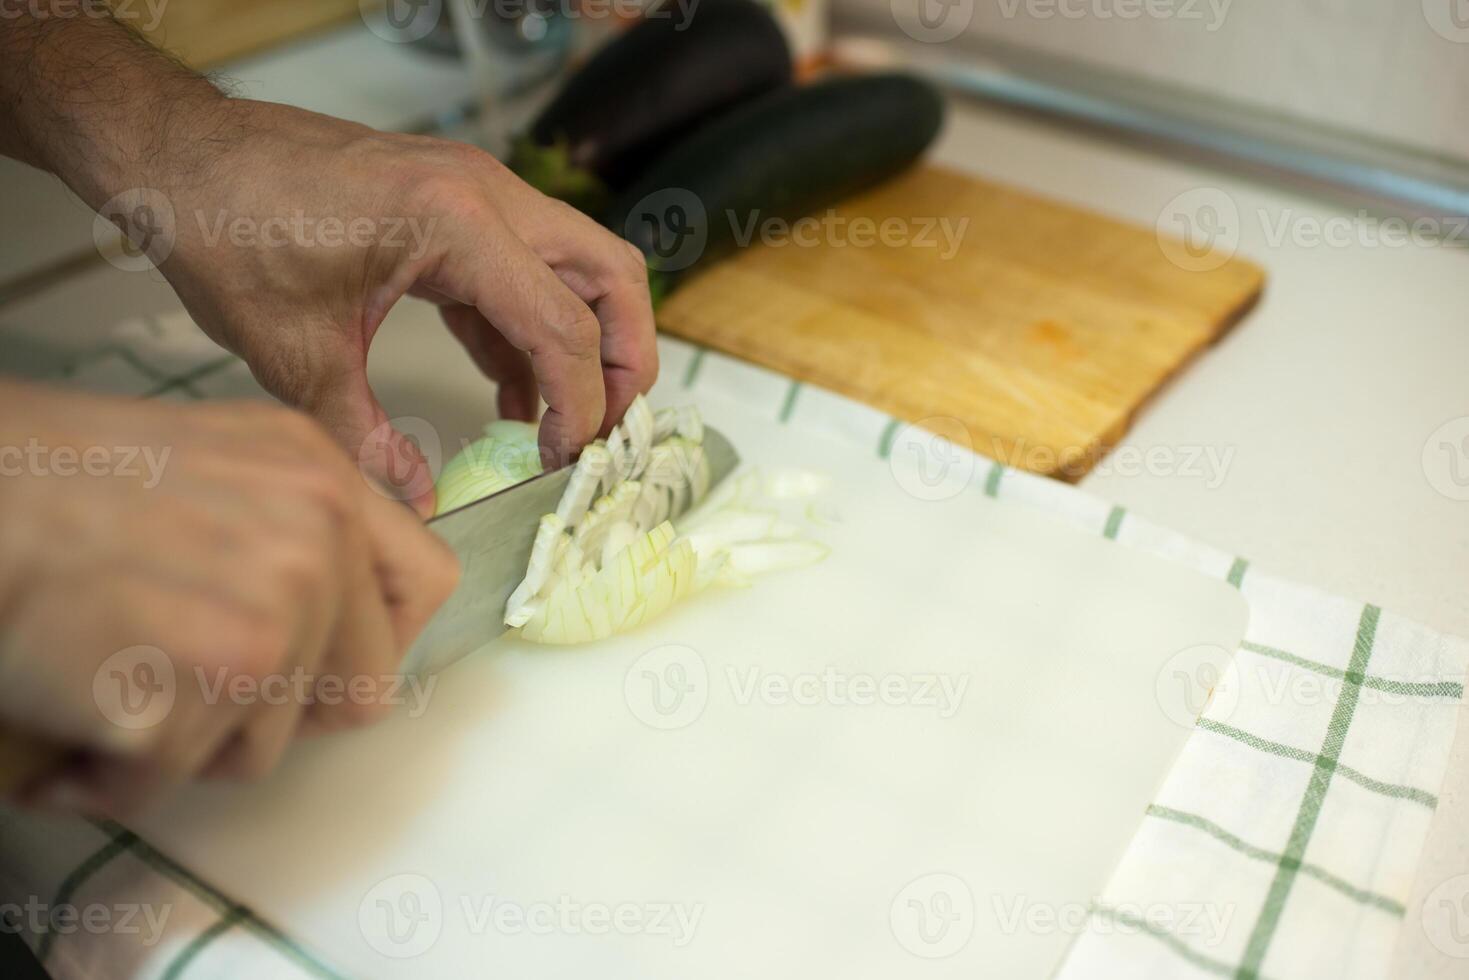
(629,335)
(611,275)
(532,308)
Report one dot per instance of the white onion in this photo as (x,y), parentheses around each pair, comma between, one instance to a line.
(507,454)
(608,559)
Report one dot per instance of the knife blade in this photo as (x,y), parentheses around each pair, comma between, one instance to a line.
(492,538)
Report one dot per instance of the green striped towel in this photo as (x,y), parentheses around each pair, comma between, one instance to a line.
(1283,843)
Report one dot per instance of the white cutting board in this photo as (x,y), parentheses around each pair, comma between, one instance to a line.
(796,840)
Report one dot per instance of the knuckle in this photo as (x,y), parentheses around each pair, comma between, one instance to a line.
(577,332)
(646,374)
(192,631)
(299,565)
(255,645)
(567,220)
(635,257)
(623,278)
(448,188)
(434,188)
(634,269)
(620,263)
(326,491)
(464,156)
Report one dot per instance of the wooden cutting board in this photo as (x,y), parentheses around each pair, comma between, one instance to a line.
(1041,334)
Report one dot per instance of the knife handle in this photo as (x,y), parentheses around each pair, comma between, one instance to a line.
(23,759)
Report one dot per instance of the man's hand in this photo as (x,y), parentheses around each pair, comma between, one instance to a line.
(310,229)
(290,235)
(248,572)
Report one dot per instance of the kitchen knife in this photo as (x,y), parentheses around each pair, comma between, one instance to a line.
(492,538)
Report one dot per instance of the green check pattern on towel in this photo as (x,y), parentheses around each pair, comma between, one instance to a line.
(1284,842)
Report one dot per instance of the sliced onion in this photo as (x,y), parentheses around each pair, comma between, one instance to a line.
(544,555)
(609,559)
(506,455)
(582,487)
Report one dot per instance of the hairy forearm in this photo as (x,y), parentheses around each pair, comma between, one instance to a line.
(91,101)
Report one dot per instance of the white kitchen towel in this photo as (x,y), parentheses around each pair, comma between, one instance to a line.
(1284,842)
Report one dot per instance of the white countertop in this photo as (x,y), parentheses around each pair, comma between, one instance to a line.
(1321,400)
(1326,395)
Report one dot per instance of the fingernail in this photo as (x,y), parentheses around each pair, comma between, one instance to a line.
(426,505)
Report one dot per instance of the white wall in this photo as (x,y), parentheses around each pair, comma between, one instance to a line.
(1395,69)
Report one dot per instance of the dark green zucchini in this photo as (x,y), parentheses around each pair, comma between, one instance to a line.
(683,64)
(783,156)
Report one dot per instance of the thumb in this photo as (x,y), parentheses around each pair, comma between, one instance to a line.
(389,453)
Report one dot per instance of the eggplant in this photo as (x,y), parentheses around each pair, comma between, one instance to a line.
(783,156)
(684,63)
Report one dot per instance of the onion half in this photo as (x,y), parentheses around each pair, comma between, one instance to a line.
(610,559)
